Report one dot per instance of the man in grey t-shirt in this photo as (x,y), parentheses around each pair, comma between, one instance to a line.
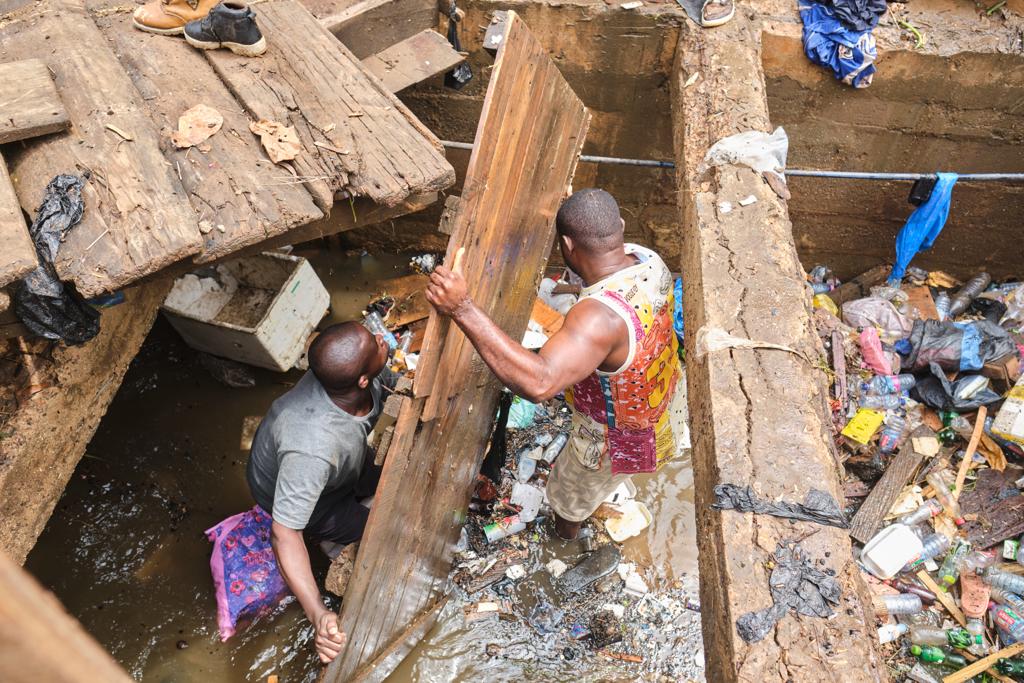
(309,465)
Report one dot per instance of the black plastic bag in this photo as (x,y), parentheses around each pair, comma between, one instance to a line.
(818,506)
(41,301)
(461,75)
(935,391)
(957,346)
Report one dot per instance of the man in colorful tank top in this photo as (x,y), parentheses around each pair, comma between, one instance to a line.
(616,358)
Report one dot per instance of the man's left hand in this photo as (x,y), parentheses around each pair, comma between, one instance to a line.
(447,291)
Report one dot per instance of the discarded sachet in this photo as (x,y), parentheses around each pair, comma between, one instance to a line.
(818,506)
(795,585)
(41,301)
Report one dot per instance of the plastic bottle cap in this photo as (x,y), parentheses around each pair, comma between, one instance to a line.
(915,650)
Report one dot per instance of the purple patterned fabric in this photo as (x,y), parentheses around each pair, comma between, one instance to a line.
(244,568)
(634,450)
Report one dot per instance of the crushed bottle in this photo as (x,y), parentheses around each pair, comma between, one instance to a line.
(942,482)
(968,293)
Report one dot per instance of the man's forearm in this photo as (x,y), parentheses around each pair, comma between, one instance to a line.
(293,561)
(521,370)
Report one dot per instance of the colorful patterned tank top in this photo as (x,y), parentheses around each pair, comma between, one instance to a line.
(631,413)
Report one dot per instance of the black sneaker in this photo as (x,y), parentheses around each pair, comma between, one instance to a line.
(231,25)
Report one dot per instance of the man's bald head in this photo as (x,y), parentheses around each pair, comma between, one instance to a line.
(342,354)
(591,219)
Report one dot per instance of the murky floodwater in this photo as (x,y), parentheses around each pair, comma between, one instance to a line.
(126,554)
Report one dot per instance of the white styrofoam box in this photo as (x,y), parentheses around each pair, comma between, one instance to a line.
(256,309)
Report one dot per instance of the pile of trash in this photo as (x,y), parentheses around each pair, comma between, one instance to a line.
(928,414)
(572,600)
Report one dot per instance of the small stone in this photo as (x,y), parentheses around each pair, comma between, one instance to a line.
(182,644)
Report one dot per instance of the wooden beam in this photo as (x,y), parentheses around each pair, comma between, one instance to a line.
(32,623)
(239,196)
(368,26)
(18,257)
(381,667)
(972,670)
(860,286)
(942,596)
(357,138)
(29,103)
(43,441)
(137,218)
(413,60)
(757,416)
(528,142)
(897,475)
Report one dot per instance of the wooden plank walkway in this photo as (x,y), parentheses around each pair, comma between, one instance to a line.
(413,60)
(29,104)
(527,146)
(19,254)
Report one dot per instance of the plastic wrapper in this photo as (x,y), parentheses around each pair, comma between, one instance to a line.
(756,149)
(876,312)
(818,506)
(957,346)
(939,393)
(871,350)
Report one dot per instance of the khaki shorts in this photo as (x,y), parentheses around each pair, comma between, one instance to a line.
(574,491)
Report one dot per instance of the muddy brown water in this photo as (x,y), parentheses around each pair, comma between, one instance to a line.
(126,554)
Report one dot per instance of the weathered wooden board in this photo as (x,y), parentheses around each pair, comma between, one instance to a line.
(30,618)
(18,256)
(137,217)
(239,196)
(897,475)
(413,60)
(409,293)
(358,139)
(29,103)
(528,142)
(757,416)
(369,26)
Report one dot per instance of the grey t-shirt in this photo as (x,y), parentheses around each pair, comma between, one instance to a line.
(307,447)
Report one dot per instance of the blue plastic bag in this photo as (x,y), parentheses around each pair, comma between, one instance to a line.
(923,226)
(677,320)
(850,55)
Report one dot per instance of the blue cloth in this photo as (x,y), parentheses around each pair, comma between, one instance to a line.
(677,320)
(849,54)
(923,226)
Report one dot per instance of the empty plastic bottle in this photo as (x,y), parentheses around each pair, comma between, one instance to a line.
(527,464)
(930,635)
(1008,622)
(375,324)
(889,384)
(949,572)
(968,293)
(883,401)
(926,595)
(1011,600)
(555,447)
(1011,583)
(942,303)
(934,545)
(1010,667)
(889,439)
(903,603)
(930,653)
(930,508)
(942,481)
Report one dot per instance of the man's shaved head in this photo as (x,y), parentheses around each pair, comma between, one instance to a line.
(343,353)
(590,218)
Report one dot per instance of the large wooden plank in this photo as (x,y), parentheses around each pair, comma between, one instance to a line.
(18,256)
(32,621)
(239,195)
(758,416)
(369,26)
(29,103)
(137,218)
(527,145)
(897,475)
(415,59)
(358,139)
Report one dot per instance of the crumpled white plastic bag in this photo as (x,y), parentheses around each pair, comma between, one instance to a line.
(760,151)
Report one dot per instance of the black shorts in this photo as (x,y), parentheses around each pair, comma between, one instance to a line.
(345,518)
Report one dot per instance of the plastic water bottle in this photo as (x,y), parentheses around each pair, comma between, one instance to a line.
(889,384)
(1011,583)
(375,324)
(555,447)
(883,402)
(968,293)
(934,546)
(527,464)
(930,508)
(1011,600)
(936,655)
(940,637)
(1009,624)
(903,603)
(891,434)
(942,303)
(941,481)
(949,572)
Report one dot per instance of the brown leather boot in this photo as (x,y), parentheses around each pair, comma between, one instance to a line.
(168,17)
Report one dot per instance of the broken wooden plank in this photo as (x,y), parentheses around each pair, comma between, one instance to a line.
(30,618)
(18,257)
(413,60)
(897,475)
(971,670)
(368,26)
(381,667)
(757,417)
(239,196)
(860,286)
(358,139)
(526,151)
(42,442)
(29,103)
(992,514)
(942,596)
(137,218)
(409,295)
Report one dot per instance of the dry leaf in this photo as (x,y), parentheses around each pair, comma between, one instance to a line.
(195,125)
(280,141)
(992,453)
(937,278)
